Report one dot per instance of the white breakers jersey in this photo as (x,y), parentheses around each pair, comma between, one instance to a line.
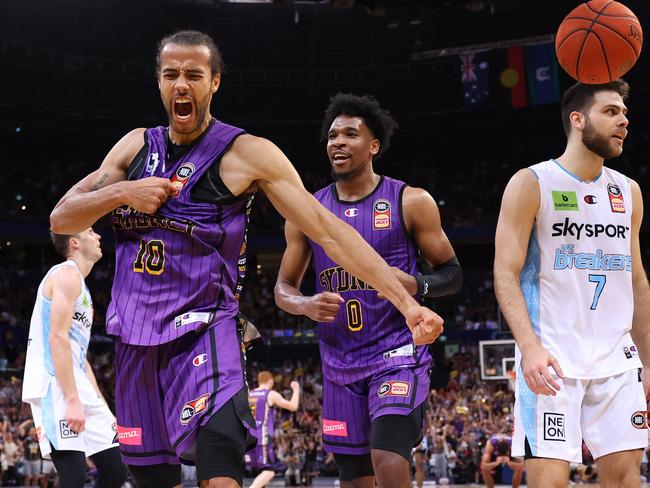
(39,368)
(577,278)
(42,391)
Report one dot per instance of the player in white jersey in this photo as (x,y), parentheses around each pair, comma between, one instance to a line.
(569,279)
(71,417)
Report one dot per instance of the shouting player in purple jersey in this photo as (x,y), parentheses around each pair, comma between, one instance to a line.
(263,401)
(179,198)
(375,378)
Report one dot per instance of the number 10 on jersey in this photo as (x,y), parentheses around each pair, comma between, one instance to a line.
(151,257)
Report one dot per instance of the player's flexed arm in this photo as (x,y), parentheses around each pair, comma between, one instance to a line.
(105,189)
(641,317)
(519,207)
(321,307)
(277,400)
(253,160)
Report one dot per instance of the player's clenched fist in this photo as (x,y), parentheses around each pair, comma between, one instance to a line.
(323,307)
(148,194)
(425,324)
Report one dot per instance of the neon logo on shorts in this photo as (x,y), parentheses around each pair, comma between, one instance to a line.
(66,431)
(336,428)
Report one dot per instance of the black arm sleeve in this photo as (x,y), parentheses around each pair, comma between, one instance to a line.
(446,279)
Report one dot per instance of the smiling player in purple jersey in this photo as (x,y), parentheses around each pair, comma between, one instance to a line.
(375,379)
(179,198)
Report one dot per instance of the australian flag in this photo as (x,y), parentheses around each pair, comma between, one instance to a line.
(474,76)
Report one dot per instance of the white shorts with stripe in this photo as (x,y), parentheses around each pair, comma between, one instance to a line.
(52,428)
(608,413)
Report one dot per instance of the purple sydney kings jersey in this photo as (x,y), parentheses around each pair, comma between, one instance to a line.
(180,269)
(263,413)
(368,334)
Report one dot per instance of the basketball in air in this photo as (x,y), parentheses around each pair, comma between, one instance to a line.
(599,41)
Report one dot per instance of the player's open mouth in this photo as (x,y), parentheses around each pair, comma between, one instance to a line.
(618,138)
(182,108)
(340,157)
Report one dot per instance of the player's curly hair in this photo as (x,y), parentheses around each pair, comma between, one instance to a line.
(580,98)
(379,120)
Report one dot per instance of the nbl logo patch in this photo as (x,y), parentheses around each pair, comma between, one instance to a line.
(616,198)
(182,176)
(640,419)
(394,388)
(65,430)
(381,214)
(554,428)
(191,408)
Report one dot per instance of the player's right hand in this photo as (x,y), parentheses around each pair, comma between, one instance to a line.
(75,415)
(295,385)
(148,194)
(323,307)
(425,324)
(535,364)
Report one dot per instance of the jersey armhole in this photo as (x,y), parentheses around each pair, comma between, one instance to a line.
(542,200)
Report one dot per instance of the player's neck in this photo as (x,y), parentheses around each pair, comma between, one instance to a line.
(83,265)
(358,186)
(187,139)
(581,162)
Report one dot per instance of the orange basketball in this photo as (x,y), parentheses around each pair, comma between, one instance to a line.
(599,41)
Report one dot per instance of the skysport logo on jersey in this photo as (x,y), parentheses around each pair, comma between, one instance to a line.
(575,229)
(191,408)
(565,200)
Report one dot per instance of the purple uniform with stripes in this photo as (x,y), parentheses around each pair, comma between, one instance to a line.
(262,457)
(177,271)
(371,366)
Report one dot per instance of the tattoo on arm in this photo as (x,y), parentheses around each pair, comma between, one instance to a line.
(100,182)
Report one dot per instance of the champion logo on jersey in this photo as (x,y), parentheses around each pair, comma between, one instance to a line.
(351,212)
(590,199)
(616,198)
(381,214)
(182,176)
(200,359)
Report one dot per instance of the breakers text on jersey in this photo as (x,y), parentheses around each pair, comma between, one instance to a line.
(338,280)
(566,258)
(574,229)
(129,218)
